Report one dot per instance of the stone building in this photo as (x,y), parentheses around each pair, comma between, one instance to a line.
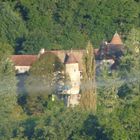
(23,63)
(108,53)
(72,70)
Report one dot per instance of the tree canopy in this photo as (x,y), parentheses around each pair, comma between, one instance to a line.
(64,24)
(41,82)
(10,112)
(28,25)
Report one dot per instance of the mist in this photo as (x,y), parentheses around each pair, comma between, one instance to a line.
(45,86)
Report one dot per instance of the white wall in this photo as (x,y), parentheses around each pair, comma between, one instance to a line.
(73,100)
(22,69)
(74,74)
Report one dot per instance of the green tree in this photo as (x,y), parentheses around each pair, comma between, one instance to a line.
(123,122)
(10,112)
(108,84)
(28,25)
(11,27)
(52,125)
(41,82)
(88,97)
(129,68)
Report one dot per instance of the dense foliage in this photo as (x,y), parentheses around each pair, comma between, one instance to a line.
(41,83)
(118,102)
(64,24)
(28,25)
(10,112)
(88,84)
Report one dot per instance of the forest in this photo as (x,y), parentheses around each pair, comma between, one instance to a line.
(26,26)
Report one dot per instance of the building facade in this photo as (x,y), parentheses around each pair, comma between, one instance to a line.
(108,53)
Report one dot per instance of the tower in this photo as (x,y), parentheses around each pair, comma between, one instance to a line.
(72,70)
(116,39)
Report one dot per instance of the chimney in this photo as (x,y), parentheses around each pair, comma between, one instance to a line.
(42,51)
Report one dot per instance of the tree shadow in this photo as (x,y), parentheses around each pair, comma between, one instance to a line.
(25,129)
(21,89)
(93,129)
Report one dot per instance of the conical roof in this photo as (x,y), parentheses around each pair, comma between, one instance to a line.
(71,59)
(116,39)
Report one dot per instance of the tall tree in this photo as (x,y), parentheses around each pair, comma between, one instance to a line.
(130,66)
(108,84)
(41,82)
(88,98)
(11,26)
(9,110)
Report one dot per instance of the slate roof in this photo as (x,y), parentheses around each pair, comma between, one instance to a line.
(112,50)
